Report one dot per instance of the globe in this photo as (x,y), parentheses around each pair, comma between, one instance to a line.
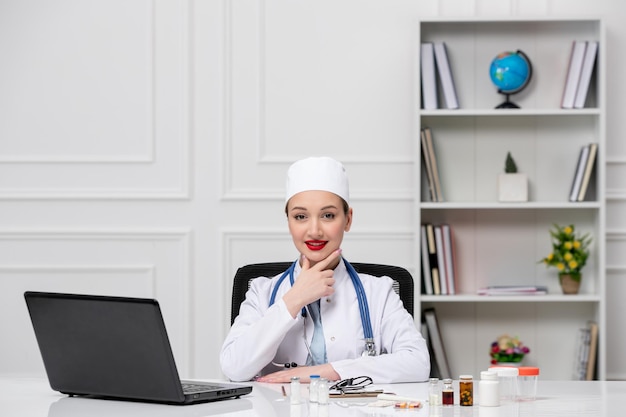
(510,72)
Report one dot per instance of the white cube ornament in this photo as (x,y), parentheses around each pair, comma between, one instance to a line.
(513,187)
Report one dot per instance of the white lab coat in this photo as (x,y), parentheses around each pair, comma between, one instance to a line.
(262,334)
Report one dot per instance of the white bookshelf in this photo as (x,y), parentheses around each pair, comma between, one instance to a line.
(501,243)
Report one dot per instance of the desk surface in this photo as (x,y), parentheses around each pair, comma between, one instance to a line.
(33,397)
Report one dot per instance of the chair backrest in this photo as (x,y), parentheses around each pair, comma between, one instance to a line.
(403,281)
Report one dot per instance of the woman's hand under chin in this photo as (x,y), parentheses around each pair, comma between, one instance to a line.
(303,372)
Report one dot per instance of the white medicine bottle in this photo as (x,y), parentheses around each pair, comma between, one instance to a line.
(434,392)
(489,389)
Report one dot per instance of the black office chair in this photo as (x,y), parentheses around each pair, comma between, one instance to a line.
(403,281)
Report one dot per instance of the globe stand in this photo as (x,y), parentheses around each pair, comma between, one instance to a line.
(507,104)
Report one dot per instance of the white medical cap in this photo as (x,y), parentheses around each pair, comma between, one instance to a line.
(320,174)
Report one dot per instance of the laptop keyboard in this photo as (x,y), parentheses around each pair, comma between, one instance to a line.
(191,388)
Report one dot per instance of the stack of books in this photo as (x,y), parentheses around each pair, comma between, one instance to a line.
(434,62)
(438,263)
(430,165)
(583,174)
(581,65)
(513,290)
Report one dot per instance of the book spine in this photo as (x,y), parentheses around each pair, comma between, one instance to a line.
(450,258)
(585,74)
(578,175)
(573,74)
(427,166)
(445,75)
(433,163)
(432,253)
(593,149)
(429,81)
(426,272)
(441,260)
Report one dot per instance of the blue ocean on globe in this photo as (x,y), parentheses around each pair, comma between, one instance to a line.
(509,72)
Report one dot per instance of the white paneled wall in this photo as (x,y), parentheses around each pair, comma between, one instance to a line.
(143,147)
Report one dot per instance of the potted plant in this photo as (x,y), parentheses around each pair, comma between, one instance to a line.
(507,350)
(569,255)
(512,185)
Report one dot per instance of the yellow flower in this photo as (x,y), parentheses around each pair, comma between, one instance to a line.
(549,258)
(572,264)
(560,266)
(577,244)
(568,230)
(568,256)
(567,245)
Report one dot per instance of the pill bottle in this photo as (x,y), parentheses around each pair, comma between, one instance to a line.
(434,392)
(295,390)
(507,377)
(527,383)
(322,391)
(447,393)
(466,390)
(313,388)
(489,389)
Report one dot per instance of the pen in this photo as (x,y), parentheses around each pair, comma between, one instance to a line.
(282,387)
(393,397)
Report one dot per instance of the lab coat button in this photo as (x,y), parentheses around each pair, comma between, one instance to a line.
(332,339)
(328,300)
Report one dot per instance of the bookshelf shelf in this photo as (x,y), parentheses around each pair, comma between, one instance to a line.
(501,243)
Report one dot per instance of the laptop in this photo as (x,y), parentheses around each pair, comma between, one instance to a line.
(113,347)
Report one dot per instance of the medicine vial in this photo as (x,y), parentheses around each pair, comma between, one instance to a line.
(489,389)
(313,388)
(322,391)
(447,393)
(466,390)
(434,392)
(295,390)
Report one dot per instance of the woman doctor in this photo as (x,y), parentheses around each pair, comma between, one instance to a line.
(275,338)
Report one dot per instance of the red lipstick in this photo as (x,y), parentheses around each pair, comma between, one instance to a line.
(315,245)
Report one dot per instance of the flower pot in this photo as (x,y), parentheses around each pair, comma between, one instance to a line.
(569,283)
(512,187)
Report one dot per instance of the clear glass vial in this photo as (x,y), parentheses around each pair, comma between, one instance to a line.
(295,390)
(466,390)
(434,392)
(313,388)
(322,391)
(447,393)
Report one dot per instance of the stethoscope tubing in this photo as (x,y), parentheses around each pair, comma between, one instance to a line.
(358,288)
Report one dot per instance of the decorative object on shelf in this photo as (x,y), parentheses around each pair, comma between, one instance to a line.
(508,351)
(512,185)
(510,72)
(569,255)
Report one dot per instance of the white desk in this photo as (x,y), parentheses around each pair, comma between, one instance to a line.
(29,397)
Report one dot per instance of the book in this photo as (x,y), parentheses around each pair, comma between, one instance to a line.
(579,173)
(585,75)
(429,80)
(434,371)
(426,273)
(573,73)
(513,290)
(581,354)
(441,261)
(593,150)
(436,341)
(445,75)
(433,163)
(428,168)
(592,327)
(449,256)
(432,257)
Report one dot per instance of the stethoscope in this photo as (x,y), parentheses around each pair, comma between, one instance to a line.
(370,346)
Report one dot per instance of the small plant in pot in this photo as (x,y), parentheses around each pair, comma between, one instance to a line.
(512,185)
(569,256)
